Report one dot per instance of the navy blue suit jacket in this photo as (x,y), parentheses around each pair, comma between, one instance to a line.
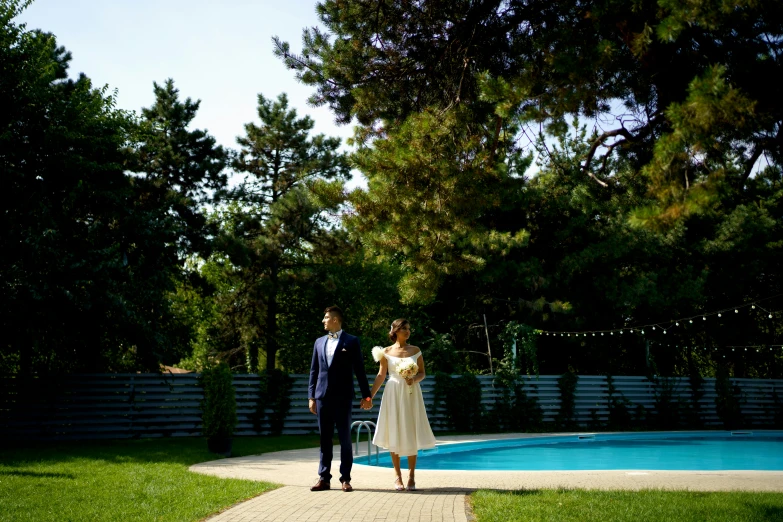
(337,379)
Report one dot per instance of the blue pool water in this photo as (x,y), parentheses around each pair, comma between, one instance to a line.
(721,450)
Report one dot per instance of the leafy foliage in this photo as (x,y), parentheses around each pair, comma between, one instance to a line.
(728,401)
(619,407)
(459,399)
(650,131)
(274,394)
(565,415)
(514,410)
(219,407)
(280,222)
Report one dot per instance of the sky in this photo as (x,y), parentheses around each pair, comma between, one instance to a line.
(216,52)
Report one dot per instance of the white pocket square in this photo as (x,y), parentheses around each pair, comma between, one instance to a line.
(343,350)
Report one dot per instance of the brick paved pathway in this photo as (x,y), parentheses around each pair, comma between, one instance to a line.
(301,504)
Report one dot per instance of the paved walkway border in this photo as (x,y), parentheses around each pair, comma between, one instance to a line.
(442,494)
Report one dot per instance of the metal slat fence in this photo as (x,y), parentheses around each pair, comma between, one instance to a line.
(157,405)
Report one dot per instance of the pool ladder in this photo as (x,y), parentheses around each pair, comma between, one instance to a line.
(370,425)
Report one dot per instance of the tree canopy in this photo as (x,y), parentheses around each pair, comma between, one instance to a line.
(554,173)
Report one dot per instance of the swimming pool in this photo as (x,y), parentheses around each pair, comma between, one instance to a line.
(703,450)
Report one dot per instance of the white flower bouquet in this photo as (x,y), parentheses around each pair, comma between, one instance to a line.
(408,370)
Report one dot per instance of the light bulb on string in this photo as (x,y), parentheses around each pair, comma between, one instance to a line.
(736,311)
(653,328)
(704,318)
(753,306)
(664,331)
(770,316)
(676,324)
(602,333)
(718,314)
(691,321)
(642,332)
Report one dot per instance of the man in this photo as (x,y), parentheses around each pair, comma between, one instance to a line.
(336,358)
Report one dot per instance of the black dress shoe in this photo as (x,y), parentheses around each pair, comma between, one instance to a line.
(321,485)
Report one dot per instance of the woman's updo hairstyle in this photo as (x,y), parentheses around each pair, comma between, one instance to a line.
(396,326)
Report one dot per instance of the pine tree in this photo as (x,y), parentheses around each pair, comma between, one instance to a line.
(293,186)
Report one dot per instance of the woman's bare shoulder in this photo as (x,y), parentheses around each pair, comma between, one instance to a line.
(414,349)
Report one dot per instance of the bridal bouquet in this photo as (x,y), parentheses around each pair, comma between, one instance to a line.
(407,370)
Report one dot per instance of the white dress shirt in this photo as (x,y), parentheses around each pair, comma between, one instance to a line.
(331,346)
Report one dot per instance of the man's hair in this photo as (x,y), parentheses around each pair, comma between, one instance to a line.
(335,311)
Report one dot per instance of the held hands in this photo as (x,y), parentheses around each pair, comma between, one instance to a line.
(366,404)
(311,405)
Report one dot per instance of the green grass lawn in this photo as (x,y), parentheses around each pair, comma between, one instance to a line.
(139,480)
(148,480)
(608,506)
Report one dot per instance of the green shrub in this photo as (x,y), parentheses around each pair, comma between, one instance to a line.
(565,418)
(459,400)
(219,407)
(777,412)
(275,395)
(619,407)
(667,405)
(696,384)
(514,410)
(727,400)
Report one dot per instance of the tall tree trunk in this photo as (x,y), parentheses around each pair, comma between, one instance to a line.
(271,318)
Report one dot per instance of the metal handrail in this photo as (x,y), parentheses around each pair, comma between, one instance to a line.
(367,425)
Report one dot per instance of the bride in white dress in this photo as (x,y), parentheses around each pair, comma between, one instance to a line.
(402,427)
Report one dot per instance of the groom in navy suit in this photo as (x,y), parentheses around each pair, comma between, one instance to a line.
(336,358)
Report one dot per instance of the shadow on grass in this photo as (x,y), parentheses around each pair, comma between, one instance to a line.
(175,450)
(17,473)
(765,511)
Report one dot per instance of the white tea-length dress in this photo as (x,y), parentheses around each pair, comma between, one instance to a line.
(402,427)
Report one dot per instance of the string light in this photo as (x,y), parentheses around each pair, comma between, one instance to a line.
(641,329)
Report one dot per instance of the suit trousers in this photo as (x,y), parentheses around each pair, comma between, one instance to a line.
(333,412)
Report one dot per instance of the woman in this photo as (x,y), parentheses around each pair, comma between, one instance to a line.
(402,427)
